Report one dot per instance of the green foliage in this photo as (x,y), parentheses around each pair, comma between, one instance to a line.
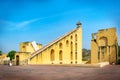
(85,54)
(0,52)
(118,61)
(11,54)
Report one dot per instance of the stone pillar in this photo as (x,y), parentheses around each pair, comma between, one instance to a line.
(100,57)
(108,53)
(98,54)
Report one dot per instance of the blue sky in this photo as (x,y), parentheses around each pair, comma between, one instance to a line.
(45,20)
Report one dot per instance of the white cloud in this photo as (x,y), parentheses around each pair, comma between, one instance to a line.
(8,25)
(25,23)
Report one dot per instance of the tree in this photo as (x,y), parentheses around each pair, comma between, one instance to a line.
(86,54)
(11,54)
(0,52)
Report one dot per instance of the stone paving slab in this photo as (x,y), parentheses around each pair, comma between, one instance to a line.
(42,72)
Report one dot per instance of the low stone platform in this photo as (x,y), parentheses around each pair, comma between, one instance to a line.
(72,65)
(42,72)
(102,64)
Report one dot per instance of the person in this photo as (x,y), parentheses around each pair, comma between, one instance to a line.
(10,63)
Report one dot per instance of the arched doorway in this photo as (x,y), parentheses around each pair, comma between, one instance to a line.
(71,46)
(71,57)
(52,55)
(17,60)
(60,46)
(102,52)
(75,37)
(60,56)
(67,43)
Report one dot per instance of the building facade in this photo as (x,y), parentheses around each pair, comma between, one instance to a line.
(104,46)
(4,59)
(29,46)
(26,49)
(66,49)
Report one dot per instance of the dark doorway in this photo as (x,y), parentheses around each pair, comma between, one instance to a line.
(17,60)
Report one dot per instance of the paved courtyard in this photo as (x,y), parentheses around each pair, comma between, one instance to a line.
(37,72)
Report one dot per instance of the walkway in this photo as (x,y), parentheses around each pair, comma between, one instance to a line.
(111,72)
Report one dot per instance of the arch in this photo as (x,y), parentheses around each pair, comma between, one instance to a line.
(71,46)
(60,55)
(75,55)
(75,46)
(52,55)
(60,45)
(24,48)
(75,37)
(103,41)
(67,43)
(71,55)
(17,60)
(71,37)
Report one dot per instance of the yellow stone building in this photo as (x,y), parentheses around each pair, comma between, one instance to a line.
(26,49)
(104,46)
(66,49)
(4,59)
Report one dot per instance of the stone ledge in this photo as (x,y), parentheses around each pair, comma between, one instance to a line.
(102,64)
(74,65)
